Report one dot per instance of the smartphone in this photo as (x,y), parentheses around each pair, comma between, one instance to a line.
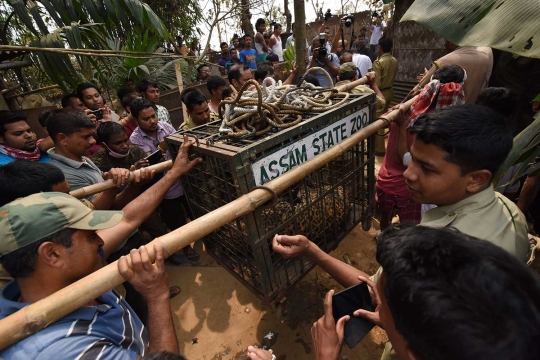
(154,157)
(98,113)
(346,302)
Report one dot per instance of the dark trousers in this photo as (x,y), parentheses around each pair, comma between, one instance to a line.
(172,213)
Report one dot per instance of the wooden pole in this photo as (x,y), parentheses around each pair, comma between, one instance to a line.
(352,84)
(108,184)
(42,313)
(300,35)
(180,82)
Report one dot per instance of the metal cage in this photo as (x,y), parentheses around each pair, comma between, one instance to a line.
(324,206)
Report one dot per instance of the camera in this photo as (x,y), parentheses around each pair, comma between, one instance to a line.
(349,20)
(98,113)
(327,15)
(322,49)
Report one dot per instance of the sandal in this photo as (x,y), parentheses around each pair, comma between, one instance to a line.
(191,254)
(174,291)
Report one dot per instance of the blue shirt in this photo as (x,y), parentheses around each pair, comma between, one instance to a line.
(248,57)
(323,80)
(110,330)
(6,159)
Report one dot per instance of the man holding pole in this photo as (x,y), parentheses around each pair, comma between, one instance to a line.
(51,240)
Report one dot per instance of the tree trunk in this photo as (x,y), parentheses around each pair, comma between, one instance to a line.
(300,35)
(288,16)
(247,28)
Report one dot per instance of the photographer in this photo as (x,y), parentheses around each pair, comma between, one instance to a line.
(327,61)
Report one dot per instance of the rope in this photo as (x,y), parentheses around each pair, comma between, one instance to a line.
(257,109)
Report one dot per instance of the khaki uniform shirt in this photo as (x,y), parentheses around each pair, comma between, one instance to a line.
(486,215)
(362,89)
(386,68)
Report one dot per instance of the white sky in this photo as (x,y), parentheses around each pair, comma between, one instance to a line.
(310,16)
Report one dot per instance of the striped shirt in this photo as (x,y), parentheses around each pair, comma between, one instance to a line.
(110,330)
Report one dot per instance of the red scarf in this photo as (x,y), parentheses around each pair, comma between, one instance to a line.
(21,154)
(435,95)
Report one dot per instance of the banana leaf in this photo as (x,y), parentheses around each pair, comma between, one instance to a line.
(506,25)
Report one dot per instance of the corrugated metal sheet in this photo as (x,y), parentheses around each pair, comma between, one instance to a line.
(511,26)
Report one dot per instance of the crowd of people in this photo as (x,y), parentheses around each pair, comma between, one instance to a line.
(453,283)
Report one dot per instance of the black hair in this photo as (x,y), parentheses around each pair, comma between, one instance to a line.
(194,98)
(9,117)
(83,87)
(223,44)
(127,79)
(453,296)
(108,129)
(266,63)
(266,36)
(22,262)
(163,355)
(201,66)
(67,121)
(361,35)
(144,84)
(139,105)
(312,79)
(42,118)
(128,98)
(449,73)
(386,44)
(123,92)
(272,57)
(503,100)
(215,82)
(246,35)
(236,71)
(475,137)
(66,99)
(226,93)
(233,49)
(185,92)
(21,178)
(262,71)
(276,25)
(260,21)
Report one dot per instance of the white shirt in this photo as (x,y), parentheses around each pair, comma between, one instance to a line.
(362,62)
(277,48)
(376,33)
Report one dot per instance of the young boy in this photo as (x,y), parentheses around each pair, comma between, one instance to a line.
(248,56)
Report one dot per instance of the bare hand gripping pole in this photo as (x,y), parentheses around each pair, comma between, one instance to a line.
(44,312)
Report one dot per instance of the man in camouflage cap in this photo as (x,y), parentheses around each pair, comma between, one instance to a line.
(50,240)
(349,73)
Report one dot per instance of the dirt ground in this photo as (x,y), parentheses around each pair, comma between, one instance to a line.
(216,317)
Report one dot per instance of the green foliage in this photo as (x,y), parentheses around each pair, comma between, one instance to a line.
(81,24)
(289,56)
(525,151)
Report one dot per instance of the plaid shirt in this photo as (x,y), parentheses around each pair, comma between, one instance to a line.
(163,114)
(437,95)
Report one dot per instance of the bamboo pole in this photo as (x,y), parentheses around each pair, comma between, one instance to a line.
(108,184)
(33,91)
(346,87)
(42,313)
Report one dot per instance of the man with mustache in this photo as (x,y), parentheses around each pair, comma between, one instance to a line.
(73,136)
(17,141)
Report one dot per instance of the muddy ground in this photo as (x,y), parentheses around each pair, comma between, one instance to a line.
(216,317)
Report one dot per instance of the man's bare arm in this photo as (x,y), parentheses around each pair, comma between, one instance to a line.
(140,209)
(290,246)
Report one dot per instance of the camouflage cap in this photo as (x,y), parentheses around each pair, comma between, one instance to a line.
(347,70)
(32,218)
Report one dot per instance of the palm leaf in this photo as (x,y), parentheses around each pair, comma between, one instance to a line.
(501,24)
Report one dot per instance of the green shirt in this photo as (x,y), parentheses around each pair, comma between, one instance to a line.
(386,68)
(105,162)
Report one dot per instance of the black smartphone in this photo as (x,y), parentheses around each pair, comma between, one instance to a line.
(154,157)
(346,302)
(98,113)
